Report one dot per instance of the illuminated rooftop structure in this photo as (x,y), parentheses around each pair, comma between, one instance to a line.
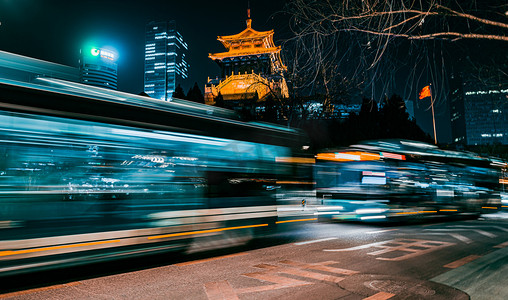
(251,68)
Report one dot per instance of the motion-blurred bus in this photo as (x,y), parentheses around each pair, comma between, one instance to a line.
(88,174)
(396,179)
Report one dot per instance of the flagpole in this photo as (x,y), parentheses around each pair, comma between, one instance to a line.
(433,119)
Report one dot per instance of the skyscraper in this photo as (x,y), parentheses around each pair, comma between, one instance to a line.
(479,111)
(98,67)
(165,61)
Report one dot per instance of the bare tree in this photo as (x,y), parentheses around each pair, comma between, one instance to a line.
(343,46)
(410,19)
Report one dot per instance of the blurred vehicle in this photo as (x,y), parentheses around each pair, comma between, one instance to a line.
(88,174)
(396,179)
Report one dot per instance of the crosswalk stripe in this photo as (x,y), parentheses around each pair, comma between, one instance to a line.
(485,233)
(461,238)
(500,228)
(470,226)
(461,261)
(502,245)
(220,290)
(380,296)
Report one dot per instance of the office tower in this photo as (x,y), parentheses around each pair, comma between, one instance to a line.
(98,67)
(165,61)
(479,111)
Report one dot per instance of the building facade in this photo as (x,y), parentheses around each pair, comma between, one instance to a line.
(457,114)
(251,69)
(165,59)
(98,67)
(478,112)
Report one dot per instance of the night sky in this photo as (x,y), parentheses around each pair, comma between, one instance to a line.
(55,30)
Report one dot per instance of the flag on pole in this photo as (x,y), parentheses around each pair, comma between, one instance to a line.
(425,92)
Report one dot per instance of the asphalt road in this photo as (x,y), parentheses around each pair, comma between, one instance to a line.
(444,259)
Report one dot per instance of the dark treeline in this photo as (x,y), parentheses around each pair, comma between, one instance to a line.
(388,120)
(194,94)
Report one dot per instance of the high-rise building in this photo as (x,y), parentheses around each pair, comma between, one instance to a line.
(98,67)
(457,114)
(165,61)
(479,112)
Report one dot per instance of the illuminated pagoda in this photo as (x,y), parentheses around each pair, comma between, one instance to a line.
(251,69)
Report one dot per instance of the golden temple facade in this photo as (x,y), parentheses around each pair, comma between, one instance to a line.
(251,68)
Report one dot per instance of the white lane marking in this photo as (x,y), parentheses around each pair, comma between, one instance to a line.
(356,248)
(485,233)
(459,237)
(380,231)
(467,226)
(410,248)
(482,232)
(500,228)
(447,230)
(315,241)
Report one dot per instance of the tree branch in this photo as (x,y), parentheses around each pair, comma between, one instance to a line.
(453,36)
(471,17)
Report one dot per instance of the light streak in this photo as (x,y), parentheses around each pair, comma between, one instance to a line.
(16,252)
(203,231)
(300,220)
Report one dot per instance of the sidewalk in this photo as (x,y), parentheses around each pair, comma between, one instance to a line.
(484,278)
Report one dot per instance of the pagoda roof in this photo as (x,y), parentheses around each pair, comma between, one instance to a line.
(249,42)
(244,52)
(248,34)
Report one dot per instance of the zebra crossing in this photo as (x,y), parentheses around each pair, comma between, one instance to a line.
(273,274)
(467,233)
(285,274)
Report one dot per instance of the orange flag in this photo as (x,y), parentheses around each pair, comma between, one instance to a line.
(425,92)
